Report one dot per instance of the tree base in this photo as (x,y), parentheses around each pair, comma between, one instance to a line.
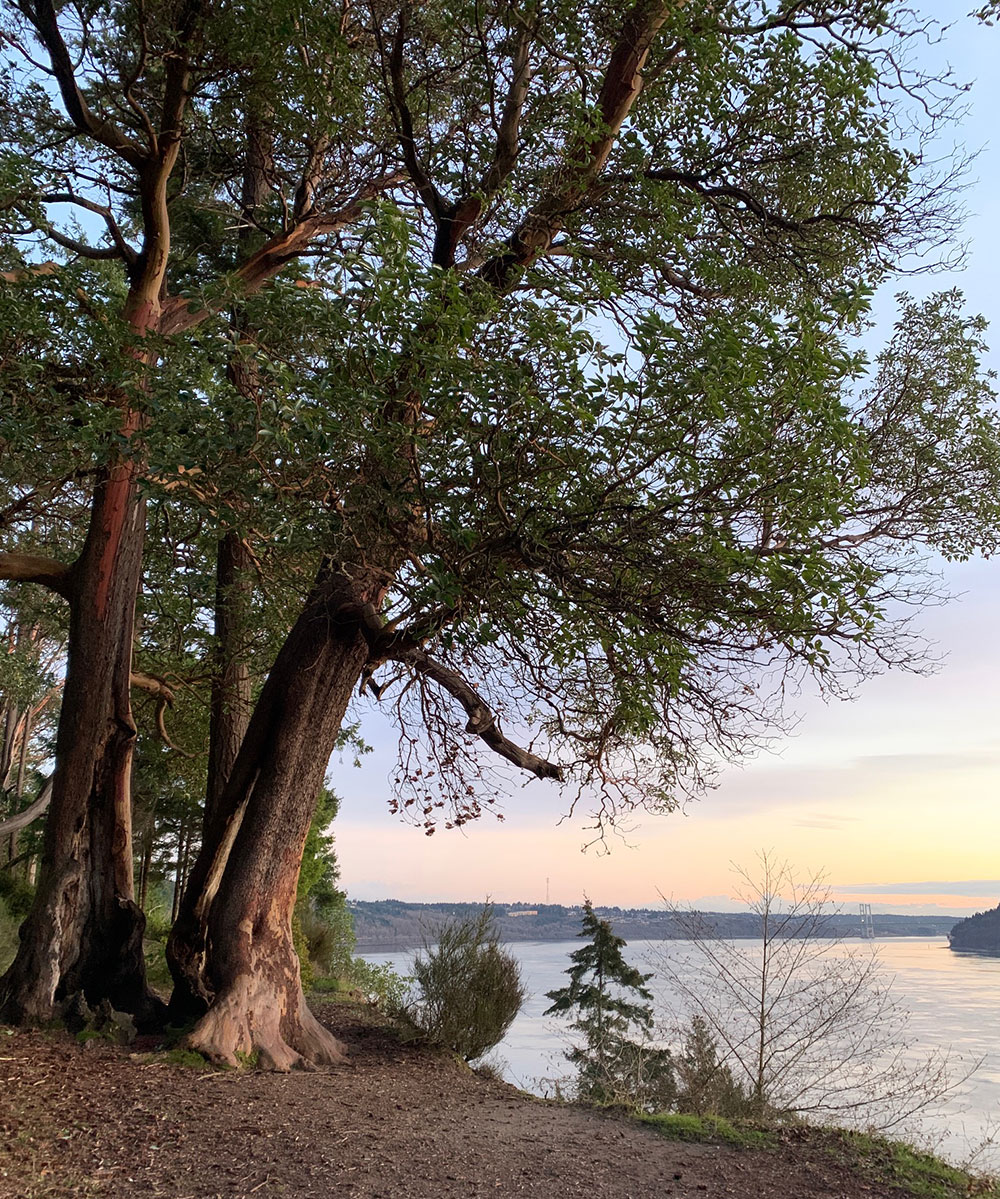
(253,1020)
(57,958)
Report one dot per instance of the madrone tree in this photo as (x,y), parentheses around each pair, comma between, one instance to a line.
(552,391)
(98,105)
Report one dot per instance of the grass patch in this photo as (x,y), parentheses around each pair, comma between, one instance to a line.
(922,1174)
(716,1130)
(184,1057)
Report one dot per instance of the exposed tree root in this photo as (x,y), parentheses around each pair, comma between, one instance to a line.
(254,1018)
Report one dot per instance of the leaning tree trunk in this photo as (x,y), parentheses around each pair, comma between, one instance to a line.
(84,931)
(246,879)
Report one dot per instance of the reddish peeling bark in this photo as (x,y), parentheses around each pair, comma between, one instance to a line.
(84,931)
(243,885)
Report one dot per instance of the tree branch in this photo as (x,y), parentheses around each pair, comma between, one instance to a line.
(505,155)
(42,15)
(31,813)
(482,720)
(126,252)
(260,268)
(404,121)
(32,568)
(585,160)
(164,697)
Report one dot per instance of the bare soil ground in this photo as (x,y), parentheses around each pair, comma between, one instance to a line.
(397,1122)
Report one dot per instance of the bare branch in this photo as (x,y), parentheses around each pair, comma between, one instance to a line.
(482,720)
(164,696)
(42,15)
(428,192)
(125,251)
(30,272)
(267,262)
(585,160)
(506,148)
(152,686)
(81,249)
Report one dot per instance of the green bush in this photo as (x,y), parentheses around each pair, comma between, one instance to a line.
(468,989)
(16,893)
(328,936)
(306,968)
(380,985)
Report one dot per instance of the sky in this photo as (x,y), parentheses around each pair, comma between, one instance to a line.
(893,796)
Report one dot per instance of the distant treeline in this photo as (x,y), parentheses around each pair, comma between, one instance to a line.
(980,932)
(391,924)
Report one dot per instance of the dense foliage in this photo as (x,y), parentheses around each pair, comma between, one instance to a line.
(980,932)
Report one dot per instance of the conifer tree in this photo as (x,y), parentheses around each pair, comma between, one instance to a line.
(610,997)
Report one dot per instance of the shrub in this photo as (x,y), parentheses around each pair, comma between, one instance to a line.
(468,988)
(328,937)
(16,893)
(380,985)
(306,971)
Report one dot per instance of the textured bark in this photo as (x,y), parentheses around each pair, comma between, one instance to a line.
(84,931)
(243,885)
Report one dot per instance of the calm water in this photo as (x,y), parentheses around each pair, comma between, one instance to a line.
(952,1000)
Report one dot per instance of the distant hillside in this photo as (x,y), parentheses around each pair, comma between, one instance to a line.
(392,924)
(980,932)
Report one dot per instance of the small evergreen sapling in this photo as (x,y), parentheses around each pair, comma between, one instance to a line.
(613,1066)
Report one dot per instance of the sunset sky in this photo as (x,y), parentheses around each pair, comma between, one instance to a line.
(894,796)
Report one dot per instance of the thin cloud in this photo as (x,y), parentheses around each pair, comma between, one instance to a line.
(979,887)
(825,820)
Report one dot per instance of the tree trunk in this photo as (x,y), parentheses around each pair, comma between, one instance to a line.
(146,860)
(231,690)
(230,708)
(244,882)
(228,721)
(84,931)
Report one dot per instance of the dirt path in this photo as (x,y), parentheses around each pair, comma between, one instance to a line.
(397,1122)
